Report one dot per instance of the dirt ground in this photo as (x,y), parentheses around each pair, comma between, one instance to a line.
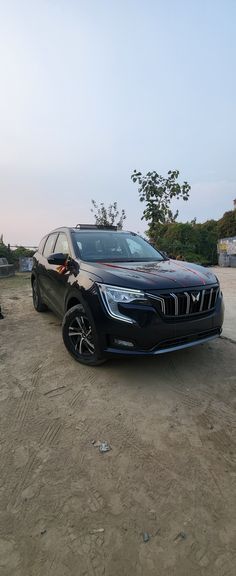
(68,510)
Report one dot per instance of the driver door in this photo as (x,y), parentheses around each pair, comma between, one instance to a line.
(59,280)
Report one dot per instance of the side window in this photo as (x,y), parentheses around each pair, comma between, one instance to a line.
(62,245)
(48,248)
(41,245)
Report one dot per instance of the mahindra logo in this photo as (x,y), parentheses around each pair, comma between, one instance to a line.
(196,297)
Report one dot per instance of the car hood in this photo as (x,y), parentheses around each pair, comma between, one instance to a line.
(151,275)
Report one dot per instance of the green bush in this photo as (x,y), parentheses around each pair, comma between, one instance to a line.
(14,255)
(188,241)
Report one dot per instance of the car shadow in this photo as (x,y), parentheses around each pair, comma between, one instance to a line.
(201,365)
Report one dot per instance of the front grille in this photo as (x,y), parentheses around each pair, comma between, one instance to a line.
(180,303)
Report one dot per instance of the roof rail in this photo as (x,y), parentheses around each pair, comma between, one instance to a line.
(95,227)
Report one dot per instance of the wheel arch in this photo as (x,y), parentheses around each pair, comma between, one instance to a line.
(73,299)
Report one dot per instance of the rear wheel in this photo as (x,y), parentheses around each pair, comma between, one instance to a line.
(80,336)
(37,300)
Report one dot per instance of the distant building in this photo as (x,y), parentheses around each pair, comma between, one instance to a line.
(226,249)
(227,252)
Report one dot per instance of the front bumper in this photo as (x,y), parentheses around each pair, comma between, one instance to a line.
(168,345)
(153,335)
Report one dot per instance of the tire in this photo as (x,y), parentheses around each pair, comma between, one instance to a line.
(80,336)
(37,300)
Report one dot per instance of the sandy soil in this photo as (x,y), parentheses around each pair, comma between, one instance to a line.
(68,510)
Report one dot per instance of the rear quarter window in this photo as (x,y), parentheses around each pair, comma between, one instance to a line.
(49,246)
(41,245)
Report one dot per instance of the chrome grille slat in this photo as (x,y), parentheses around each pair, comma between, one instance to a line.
(176,302)
(186,303)
(210,298)
(202,300)
(161,300)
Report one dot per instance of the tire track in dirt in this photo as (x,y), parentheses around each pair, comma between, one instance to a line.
(226,411)
(87,549)
(148,457)
(195,399)
(90,376)
(37,366)
(223,444)
(125,434)
(205,418)
(50,434)
(155,463)
(25,405)
(220,437)
(48,438)
(188,398)
(87,378)
(96,563)
(213,416)
(84,545)
(83,428)
(95,500)
(23,480)
(28,399)
(81,395)
(78,399)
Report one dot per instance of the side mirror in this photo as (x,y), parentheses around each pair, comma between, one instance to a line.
(57,259)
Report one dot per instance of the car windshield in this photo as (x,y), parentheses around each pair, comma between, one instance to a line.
(108,246)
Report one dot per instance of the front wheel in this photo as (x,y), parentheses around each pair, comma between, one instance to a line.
(80,336)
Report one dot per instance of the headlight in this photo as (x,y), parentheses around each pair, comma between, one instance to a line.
(113,296)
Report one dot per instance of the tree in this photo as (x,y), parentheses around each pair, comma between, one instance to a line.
(227,224)
(108,216)
(158,193)
(14,255)
(22,252)
(6,252)
(189,241)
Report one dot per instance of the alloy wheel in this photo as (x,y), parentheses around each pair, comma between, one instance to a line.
(80,334)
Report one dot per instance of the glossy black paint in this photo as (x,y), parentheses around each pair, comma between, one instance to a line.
(77,283)
(57,259)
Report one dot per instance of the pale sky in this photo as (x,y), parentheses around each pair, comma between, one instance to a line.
(92,89)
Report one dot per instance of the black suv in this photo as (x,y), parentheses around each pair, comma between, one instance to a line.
(117,295)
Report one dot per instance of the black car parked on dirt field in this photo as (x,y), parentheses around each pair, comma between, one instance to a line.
(117,295)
